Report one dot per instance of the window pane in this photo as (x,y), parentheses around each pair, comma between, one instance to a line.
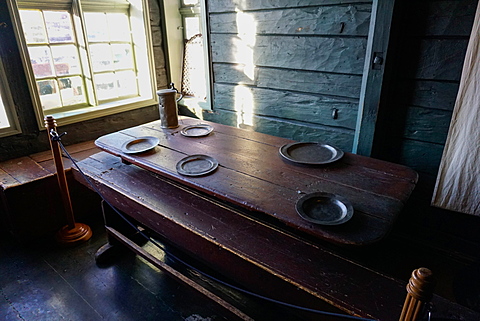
(101,57)
(33,26)
(72,91)
(41,60)
(119,27)
(49,95)
(122,56)
(127,83)
(97,27)
(4,123)
(105,85)
(59,26)
(192,26)
(66,60)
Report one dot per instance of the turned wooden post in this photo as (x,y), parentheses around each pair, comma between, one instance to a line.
(419,292)
(73,232)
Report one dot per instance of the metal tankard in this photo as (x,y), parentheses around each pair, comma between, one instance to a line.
(167,105)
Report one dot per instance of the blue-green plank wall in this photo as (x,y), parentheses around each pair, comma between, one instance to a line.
(289,68)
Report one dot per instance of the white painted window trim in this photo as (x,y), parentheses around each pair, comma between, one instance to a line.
(7,101)
(146,68)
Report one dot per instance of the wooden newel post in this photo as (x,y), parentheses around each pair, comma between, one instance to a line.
(73,232)
(419,292)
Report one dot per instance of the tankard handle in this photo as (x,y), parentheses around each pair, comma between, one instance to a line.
(172,86)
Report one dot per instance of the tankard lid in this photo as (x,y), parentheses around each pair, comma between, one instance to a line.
(166,91)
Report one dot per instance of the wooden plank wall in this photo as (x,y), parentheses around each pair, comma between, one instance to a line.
(308,59)
(426,62)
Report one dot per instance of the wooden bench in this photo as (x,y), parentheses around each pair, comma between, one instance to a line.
(258,255)
(30,204)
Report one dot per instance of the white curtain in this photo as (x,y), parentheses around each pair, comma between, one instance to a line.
(458,181)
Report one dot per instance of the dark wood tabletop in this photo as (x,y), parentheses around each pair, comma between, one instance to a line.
(253,175)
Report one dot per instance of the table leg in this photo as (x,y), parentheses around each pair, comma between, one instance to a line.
(110,251)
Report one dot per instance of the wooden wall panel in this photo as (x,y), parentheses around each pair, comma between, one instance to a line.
(341,85)
(443,18)
(300,131)
(298,63)
(441,59)
(427,124)
(331,54)
(291,106)
(233,5)
(308,132)
(431,94)
(347,20)
(311,82)
(422,156)
(233,74)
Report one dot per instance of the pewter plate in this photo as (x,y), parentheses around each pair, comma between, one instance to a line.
(196,165)
(140,144)
(324,208)
(198,130)
(311,153)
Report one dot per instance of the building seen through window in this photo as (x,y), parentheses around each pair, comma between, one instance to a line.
(55,57)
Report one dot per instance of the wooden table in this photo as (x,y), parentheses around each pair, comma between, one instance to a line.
(240,220)
(254,176)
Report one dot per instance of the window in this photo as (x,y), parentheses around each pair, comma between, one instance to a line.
(194,53)
(186,25)
(8,120)
(84,58)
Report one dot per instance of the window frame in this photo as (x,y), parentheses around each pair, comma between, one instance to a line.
(174,34)
(138,12)
(9,106)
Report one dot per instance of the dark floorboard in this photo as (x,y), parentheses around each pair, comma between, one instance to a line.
(43,281)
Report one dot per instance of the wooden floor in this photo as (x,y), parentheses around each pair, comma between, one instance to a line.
(43,281)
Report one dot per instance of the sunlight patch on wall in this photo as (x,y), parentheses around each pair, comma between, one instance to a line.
(244,50)
(245,42)
(244,106)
